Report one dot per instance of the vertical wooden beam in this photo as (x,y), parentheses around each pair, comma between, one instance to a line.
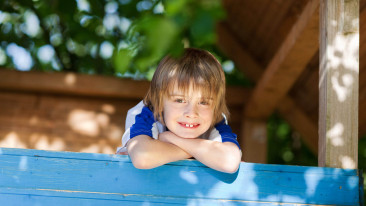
(338,83)
(254,140)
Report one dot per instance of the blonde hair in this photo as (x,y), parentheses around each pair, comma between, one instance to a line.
(195,67)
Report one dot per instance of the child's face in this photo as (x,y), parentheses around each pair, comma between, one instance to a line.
(188,115)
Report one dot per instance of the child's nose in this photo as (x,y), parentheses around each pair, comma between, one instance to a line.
(191,110)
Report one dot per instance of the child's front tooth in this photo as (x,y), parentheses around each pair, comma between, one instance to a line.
(191,125)
(187,125)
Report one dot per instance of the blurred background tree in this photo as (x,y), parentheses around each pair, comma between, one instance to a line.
(122,38)
(127,38)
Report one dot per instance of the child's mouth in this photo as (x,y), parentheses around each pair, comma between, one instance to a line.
(190,126)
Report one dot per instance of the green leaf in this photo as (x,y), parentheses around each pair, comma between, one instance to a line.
(122,60)
(160,33)
(172,7)
(203,29)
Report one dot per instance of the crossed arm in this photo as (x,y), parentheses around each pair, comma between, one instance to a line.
(146,152)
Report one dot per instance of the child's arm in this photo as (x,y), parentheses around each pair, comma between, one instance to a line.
(146,152)
(141,142)
(221,156)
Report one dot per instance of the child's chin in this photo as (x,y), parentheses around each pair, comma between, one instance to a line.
(185,136)
(189,137)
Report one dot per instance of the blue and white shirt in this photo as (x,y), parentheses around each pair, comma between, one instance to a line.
(140,121)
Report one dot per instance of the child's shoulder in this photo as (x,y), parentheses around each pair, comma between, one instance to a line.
(140,110)
(140,107)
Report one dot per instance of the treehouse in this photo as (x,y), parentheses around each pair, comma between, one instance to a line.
(305,58)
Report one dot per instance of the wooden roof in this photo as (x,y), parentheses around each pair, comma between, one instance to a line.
(275,43)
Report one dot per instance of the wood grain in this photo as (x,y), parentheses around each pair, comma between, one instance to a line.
(338,83)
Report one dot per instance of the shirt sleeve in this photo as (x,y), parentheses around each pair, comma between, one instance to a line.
(223,131)
(140,121)
(143,123)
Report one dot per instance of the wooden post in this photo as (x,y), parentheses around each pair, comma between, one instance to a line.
(338,83)
(254,140)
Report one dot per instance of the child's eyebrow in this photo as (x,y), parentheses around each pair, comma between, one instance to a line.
(208,98)
(180,95)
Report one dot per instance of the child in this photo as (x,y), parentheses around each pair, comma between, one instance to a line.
(183,115)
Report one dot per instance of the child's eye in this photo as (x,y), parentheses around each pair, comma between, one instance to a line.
(179,100)
(204,103)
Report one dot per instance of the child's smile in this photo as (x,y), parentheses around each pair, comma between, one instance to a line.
(188,125)
(188,115)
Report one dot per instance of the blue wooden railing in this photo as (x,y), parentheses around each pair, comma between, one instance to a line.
(36,177)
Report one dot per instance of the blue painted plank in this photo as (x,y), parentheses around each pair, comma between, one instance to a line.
(124,158)
(179,182)
(44,197)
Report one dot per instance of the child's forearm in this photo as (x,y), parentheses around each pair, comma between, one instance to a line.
(146,153)
(220,156)
(224,157)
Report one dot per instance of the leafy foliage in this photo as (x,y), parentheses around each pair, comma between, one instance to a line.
(286,146)
(123,38)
